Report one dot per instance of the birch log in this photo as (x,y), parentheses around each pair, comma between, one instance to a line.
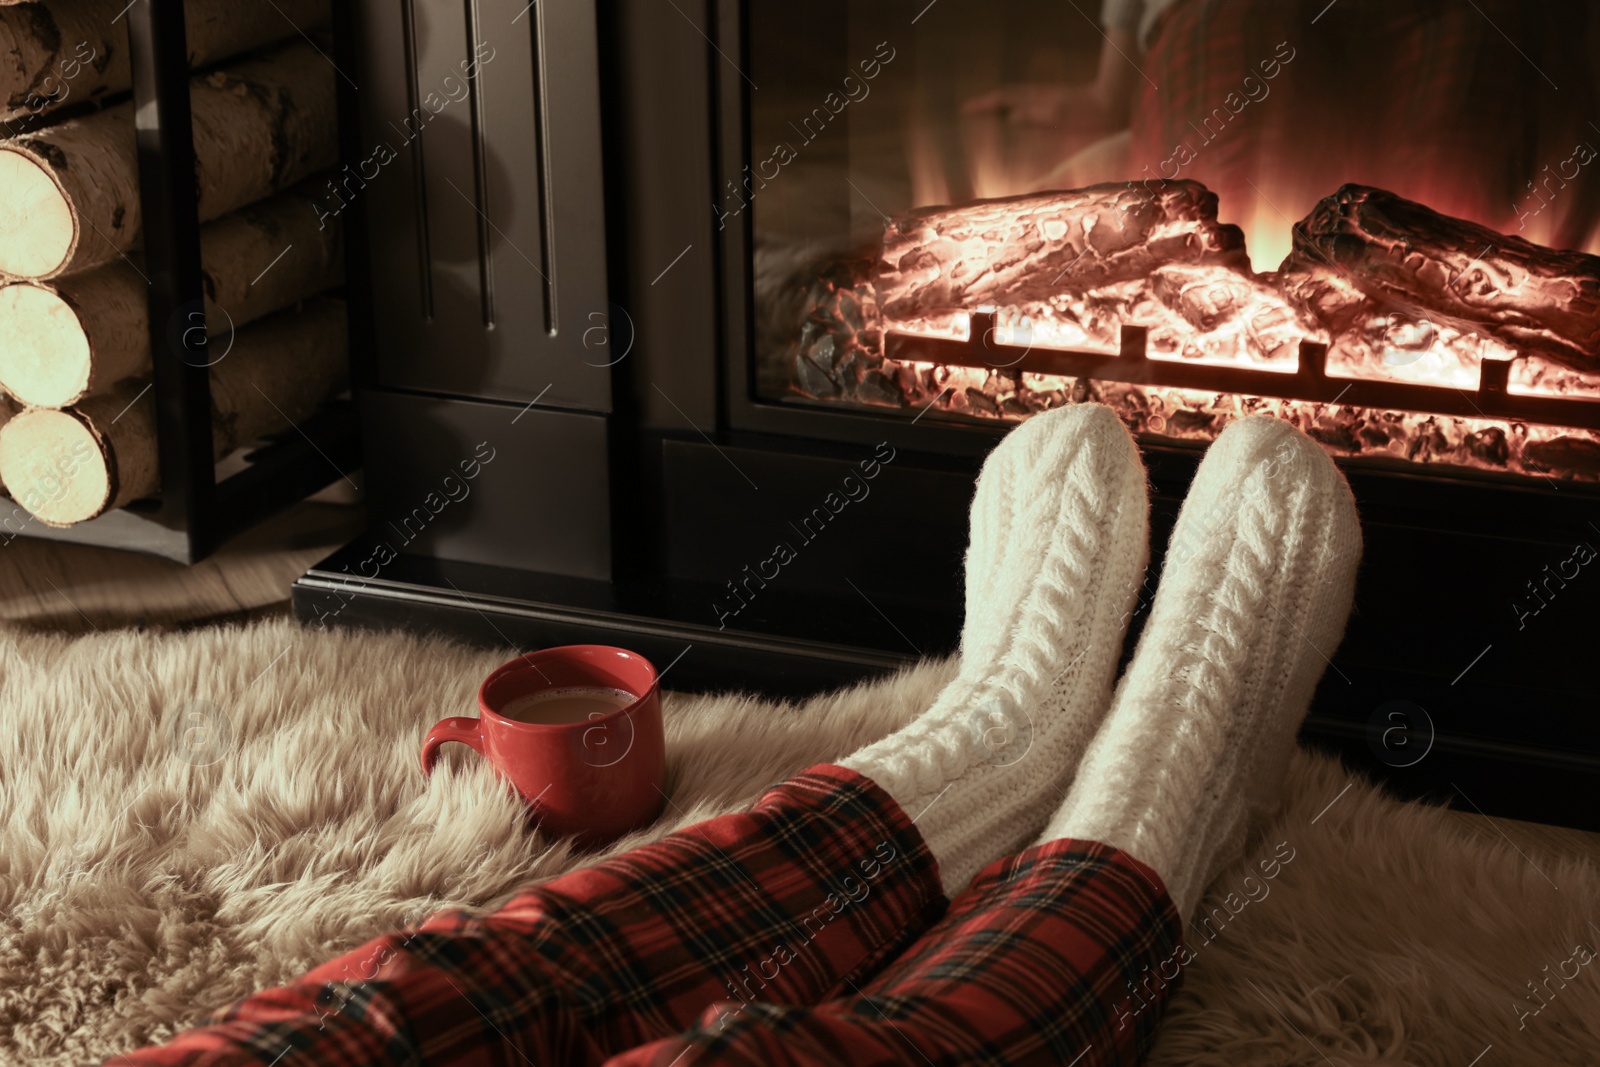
(83,333)
(74,50)
(67,466)
(69,194)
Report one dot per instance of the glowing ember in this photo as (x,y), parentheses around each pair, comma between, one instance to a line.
(1387,285)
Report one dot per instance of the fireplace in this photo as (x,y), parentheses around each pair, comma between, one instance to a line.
(726,362)
(948,254)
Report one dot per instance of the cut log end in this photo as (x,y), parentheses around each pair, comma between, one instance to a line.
(47,361)
(36,221)
(55,466)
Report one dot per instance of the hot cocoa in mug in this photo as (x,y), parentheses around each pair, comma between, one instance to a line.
(576,730)
(571,704)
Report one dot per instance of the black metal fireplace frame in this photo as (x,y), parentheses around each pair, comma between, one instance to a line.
(696,473)
(1535,767)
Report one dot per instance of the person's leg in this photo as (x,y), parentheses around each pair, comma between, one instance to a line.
(1033,964)
(1255,590)
(820,883)
(636,947)
(1068,952)
(1059,545)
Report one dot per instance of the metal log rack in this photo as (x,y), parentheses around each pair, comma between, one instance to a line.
(195,512)
(1309,382)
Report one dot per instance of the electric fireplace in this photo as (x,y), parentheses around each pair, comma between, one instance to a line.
(1381,326)
(723,304)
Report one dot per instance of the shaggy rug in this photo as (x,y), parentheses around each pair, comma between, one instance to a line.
(187,818)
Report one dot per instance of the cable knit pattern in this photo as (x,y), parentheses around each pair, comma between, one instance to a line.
(1253,599)
(1059,541)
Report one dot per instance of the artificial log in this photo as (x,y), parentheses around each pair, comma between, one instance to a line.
(1409,257)
(1008,251)
(1327,294)
(102,453)
(83,333)
(69,194)
(72,50)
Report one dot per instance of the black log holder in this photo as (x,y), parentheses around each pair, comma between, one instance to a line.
(195,512)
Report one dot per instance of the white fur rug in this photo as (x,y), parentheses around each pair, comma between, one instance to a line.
(187,818)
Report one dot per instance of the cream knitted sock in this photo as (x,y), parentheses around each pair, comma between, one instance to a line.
(1253,598)
(1059,538)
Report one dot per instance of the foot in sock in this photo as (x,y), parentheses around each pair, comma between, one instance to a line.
(1059,545)
(1252,600)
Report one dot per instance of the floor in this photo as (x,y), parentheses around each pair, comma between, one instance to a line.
(47,585)
(77,589)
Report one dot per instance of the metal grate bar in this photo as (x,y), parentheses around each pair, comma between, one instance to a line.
(1310,382)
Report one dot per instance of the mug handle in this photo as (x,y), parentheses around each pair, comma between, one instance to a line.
(468,731)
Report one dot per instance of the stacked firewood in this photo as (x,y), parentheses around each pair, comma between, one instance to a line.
(79,436)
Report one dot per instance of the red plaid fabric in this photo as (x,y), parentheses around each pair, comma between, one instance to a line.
(809,930)
(1046,958)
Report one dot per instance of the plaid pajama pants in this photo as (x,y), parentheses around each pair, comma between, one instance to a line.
(809,930)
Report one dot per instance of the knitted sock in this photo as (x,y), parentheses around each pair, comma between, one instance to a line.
(1059,540)
(1253,598)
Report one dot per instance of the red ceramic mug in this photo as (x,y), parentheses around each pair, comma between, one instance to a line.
(594,779)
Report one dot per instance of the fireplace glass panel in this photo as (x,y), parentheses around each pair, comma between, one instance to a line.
(1378,220)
